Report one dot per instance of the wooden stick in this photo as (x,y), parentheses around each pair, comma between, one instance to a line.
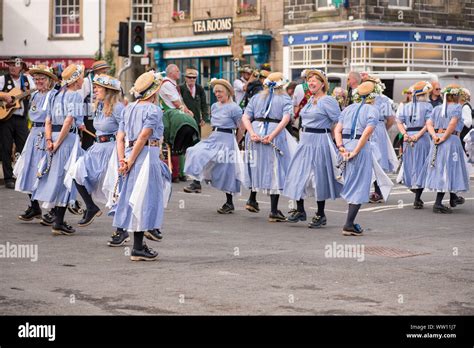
(89,132)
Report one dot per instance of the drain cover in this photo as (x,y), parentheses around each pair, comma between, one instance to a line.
(391,252)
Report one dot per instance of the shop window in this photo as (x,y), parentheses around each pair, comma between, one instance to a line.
(247,7)
(182,9)
(66,17)
(142,10)
(406,4)
(460,56)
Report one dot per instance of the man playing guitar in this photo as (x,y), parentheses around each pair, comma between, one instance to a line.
(15,128)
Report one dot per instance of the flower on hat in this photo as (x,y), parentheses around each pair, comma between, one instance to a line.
(452,90)
(372,95)
(107,81)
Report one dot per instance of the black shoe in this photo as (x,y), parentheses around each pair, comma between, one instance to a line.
(154,235)
(296,216)
(183,178)
(458,200)
(276,217)
(30,214)
(193,188)
(418,204)
(10,185)
(252,206)
(355,230)
(441,209)
(119,238)
(48,219)
(63,228)
(226,209)
(146,254)
(89,216)
(75,208)
(318,221)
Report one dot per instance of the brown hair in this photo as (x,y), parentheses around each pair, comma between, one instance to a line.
(452,98)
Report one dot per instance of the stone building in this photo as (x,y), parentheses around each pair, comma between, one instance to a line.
(199,33)
(378,35)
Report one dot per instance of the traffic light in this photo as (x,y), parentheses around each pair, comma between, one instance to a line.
(123,39)
(137,39)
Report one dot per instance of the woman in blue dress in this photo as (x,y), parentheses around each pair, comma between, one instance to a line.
(380,140)
(65,113)
(411,122)
(446,168)
(312,169)
(140,206)
(217,159)
(268,145)
(356,124)
(27,165)
(91,168)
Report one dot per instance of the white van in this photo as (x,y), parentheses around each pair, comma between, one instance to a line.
(396,82)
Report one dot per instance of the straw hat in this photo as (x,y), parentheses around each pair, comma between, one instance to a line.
(264,73)
(365,88)
(321,76)
(107,81)
(421,87)
(72,73)
(246,69)
(452,89)
(43,70)
(191,72)
(100,64)
(223,83)
(147,85)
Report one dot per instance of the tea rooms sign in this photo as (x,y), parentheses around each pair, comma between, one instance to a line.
(216,25)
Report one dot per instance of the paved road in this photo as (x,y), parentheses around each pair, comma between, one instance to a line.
(241,264)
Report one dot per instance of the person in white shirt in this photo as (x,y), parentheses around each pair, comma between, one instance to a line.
(170,97)
(240,84)
(467,113)
(15,129)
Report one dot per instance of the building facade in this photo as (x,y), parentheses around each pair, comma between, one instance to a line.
(378,35)
(52,31)
(204,33)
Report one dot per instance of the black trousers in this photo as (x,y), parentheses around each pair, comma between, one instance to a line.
(87,140)
(14,130)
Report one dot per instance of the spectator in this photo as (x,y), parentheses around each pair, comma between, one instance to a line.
(435,96)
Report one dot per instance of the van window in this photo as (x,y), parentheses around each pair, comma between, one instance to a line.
(388,88)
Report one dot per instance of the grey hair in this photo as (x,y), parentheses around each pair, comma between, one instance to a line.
(170,67)
(356,75)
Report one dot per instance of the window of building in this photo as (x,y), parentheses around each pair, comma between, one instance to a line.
(182,9)
(400,4)
(247,7)
(326,4)
(142,10)
(66,18)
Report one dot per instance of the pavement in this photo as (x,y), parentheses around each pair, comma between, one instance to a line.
(409,262)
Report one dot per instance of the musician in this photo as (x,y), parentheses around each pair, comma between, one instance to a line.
(217,159)
(445,166)
(99,67)
(380,139)
(240,84)
(14,129)
(254,86)
(311,170)
(268,145)
(26,167)
(356,124)
(411,123)
(92,166)
(141,203)
(65,113)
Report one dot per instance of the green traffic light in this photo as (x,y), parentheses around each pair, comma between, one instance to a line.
(137,49)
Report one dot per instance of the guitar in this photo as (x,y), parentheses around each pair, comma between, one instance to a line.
(6,109)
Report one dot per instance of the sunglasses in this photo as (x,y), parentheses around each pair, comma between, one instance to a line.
(191,77)
(438,89)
